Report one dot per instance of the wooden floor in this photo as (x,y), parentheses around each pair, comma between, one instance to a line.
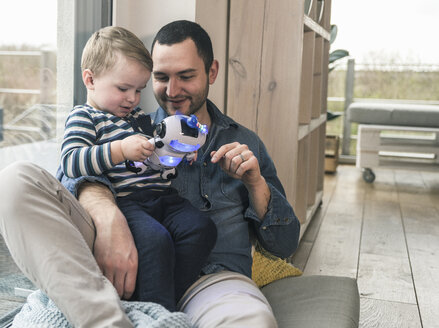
(384,234)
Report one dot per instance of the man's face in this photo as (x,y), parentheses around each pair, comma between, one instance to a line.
(180,81)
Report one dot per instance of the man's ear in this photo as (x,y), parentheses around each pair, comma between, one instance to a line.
(213,71)
(88,79)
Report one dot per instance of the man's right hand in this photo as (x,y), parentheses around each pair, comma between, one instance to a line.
(114,247)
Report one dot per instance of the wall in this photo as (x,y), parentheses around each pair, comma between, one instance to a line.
(145,18)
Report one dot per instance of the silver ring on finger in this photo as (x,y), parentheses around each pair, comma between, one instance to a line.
(242,157)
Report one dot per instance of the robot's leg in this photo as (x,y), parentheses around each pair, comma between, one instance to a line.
(169,174)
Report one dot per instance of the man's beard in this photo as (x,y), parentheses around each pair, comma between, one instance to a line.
(197,102)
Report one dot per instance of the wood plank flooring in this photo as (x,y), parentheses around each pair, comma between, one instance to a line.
(384,234)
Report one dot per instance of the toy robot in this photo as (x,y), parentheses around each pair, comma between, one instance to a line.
(177,137)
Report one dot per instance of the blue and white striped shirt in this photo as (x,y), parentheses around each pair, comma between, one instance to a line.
(86,150)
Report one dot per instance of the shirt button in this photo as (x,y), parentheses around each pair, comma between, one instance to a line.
(206,196)
(277,221)
(204,164)
(264,228)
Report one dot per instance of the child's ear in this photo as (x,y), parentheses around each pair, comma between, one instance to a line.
(87,78)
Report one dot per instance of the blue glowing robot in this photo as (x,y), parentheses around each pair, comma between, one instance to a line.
(177,137)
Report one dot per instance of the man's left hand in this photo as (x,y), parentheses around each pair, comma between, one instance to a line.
(239,162)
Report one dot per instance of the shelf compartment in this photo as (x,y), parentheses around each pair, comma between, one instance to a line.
(305,129)
(306,84)
(314,151)
(301,195)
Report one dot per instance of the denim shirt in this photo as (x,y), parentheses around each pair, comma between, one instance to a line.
(226,199)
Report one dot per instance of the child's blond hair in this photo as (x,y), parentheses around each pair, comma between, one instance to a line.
(103,47)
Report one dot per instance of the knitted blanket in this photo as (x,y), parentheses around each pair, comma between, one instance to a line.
(39,311)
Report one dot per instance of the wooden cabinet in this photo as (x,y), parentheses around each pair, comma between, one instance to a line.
(273,76)
(312,108)
(275,67)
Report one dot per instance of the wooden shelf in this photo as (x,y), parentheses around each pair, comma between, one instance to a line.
(311,25)
(278,85)
(305,129)
(312,113)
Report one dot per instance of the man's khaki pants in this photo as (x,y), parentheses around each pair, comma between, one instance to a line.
(51,237)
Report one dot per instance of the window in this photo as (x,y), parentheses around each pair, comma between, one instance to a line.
(28,81)
(40,78)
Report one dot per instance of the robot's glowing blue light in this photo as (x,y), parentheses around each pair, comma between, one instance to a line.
(203,129)
(192,121)
(179,146)
(170,160)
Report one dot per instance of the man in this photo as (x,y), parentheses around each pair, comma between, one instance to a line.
(233,180)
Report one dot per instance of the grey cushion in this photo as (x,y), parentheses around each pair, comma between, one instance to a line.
(394,114)
(314,301)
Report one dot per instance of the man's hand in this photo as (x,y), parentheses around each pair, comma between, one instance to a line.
(239,162)
(114,247)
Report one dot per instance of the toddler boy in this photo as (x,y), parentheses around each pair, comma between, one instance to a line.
(173,238)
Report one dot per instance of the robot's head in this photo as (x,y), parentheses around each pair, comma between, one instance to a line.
(183,133)
(177,137)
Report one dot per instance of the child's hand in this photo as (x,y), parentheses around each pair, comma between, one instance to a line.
(136,148)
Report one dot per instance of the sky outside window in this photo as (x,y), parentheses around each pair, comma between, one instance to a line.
(30,22)
(391,29)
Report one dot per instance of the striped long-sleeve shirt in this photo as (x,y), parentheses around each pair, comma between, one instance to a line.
(86,150)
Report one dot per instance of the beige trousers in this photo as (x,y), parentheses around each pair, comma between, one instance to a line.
(229,300)
(50,237)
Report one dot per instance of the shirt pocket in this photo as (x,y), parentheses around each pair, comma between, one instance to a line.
(180,182)
(233,189)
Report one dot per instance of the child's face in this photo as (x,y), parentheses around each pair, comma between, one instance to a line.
(117,91)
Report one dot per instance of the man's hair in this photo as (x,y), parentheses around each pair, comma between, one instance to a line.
(103,47)
(181,30)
